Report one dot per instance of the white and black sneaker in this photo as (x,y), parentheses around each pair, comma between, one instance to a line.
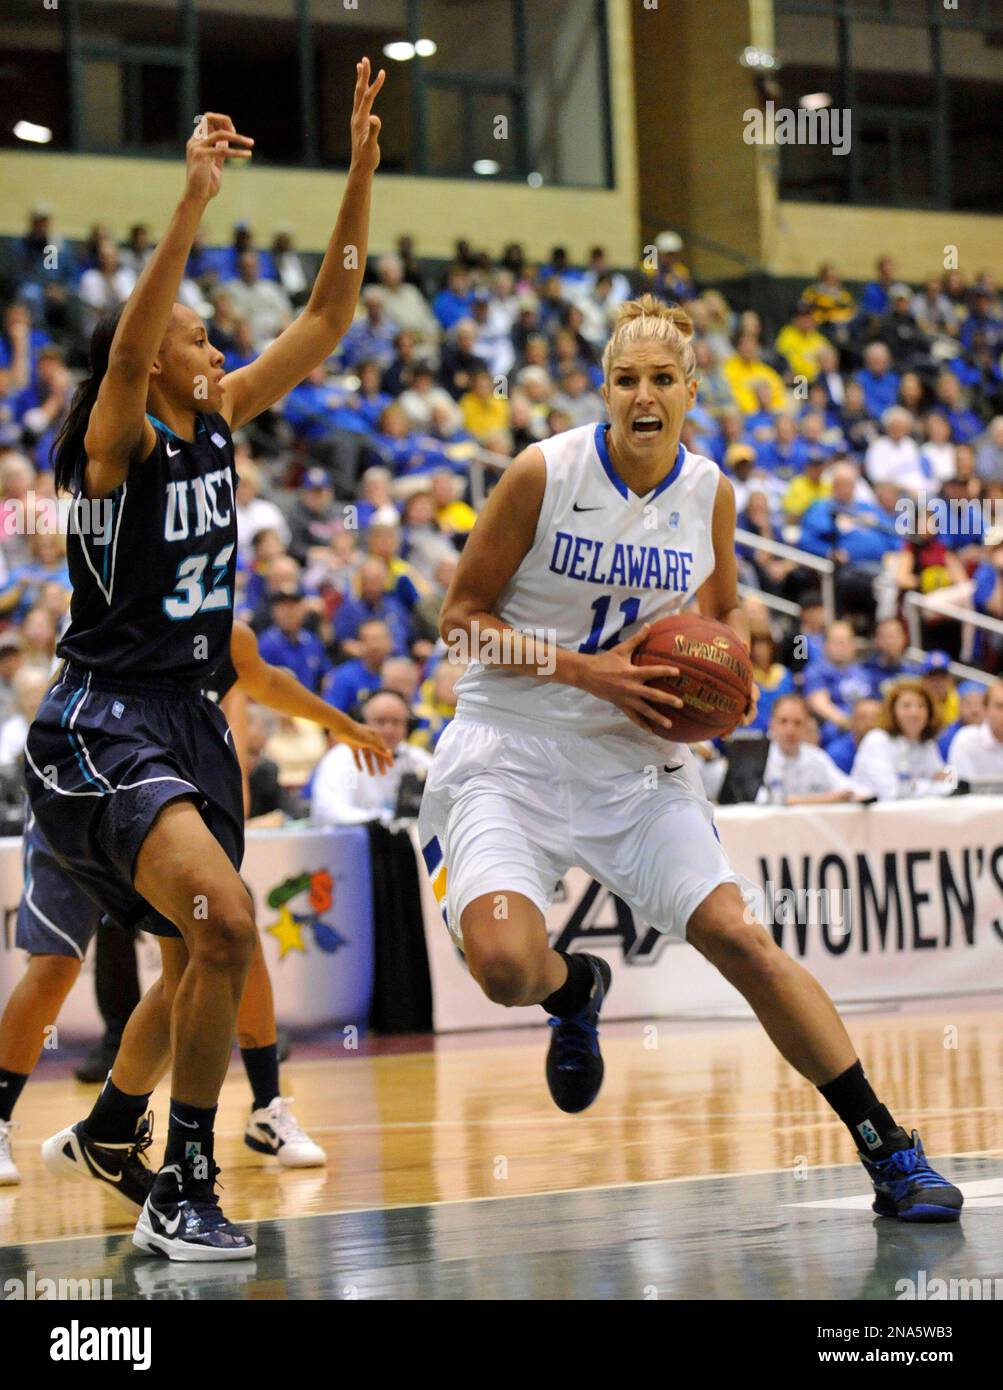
(274,1130)
(9,1176)
(121,1169)
(182,1220)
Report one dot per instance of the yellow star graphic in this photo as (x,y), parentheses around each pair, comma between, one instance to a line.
(287,933)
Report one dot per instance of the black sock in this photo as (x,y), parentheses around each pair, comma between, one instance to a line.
(11,1086)
(189,1136)
(262,1067)
(573,995)
(115,1115)
(872,1128)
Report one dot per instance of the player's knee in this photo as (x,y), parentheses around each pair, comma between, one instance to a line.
(54,972)
(227,942)
(502,973)
(740,949)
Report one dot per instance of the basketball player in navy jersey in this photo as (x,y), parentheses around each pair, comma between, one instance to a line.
(131,775)
(560,751)
(55,923)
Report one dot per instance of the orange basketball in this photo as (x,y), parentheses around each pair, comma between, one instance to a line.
(715,674)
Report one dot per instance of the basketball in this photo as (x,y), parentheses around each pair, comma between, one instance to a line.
(715,674)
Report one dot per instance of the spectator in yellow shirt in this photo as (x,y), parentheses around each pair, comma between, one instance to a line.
(744,369)
(829,299)
(800,343)
(807,487)
(455,517)
(484,413)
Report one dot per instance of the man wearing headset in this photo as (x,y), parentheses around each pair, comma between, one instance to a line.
(341,796)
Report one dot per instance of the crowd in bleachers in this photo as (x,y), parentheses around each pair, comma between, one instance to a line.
(355,494)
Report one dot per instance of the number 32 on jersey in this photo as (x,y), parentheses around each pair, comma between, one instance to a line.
(190,596)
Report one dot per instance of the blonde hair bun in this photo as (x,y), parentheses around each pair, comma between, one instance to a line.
(649,319)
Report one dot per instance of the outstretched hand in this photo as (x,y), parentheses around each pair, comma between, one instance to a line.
(214,141)
(366,126)
(369,750)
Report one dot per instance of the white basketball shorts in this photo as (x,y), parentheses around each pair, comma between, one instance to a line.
(509,811)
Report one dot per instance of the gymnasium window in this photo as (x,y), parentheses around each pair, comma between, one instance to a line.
(504,89)
(925,89)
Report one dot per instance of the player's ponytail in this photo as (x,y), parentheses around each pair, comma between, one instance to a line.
(68,446)
(647,319)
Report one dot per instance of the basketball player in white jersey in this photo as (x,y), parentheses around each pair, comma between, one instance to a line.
(561,751)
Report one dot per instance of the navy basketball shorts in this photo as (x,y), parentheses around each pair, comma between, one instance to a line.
(102,759)
(54,917)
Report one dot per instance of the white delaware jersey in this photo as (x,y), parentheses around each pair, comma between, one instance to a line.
(603,562)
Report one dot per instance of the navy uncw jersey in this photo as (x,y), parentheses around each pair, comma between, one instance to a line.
(153,564)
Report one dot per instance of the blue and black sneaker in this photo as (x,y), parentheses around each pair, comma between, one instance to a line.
(121,1169)
(574,1062)
(182,1220)
(907,1187)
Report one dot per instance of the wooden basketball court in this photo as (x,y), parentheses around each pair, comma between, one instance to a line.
(706,1169)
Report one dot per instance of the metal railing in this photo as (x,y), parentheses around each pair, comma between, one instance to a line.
(781,605)
(804,559)
(917,604)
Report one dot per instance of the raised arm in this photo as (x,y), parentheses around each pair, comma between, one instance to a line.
(119,433)
(312,337)
(280,690)
(496,547)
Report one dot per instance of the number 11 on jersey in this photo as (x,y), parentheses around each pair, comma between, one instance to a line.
(600,609)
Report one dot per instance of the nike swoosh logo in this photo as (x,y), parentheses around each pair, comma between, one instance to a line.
(188,1124)
(672,769)
(108,1177)
(171,452)
(577,508)
(169,1226)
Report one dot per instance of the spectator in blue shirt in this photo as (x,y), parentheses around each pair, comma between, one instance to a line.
(770,676)
(878,379)
(350,683)
(370,339)
(887,663)
(287,643)
(961,525)
(863,718)
(971,710)
(983,321)
(370,600)
(847,531)
(987,598)
(833,685)
(965,423)
(370,400)
(874,300)
(45,268)
(456,301)
(48,562)
(785,454)
(315,407)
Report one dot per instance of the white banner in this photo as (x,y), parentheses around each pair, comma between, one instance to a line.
(312,894)
(893,901)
